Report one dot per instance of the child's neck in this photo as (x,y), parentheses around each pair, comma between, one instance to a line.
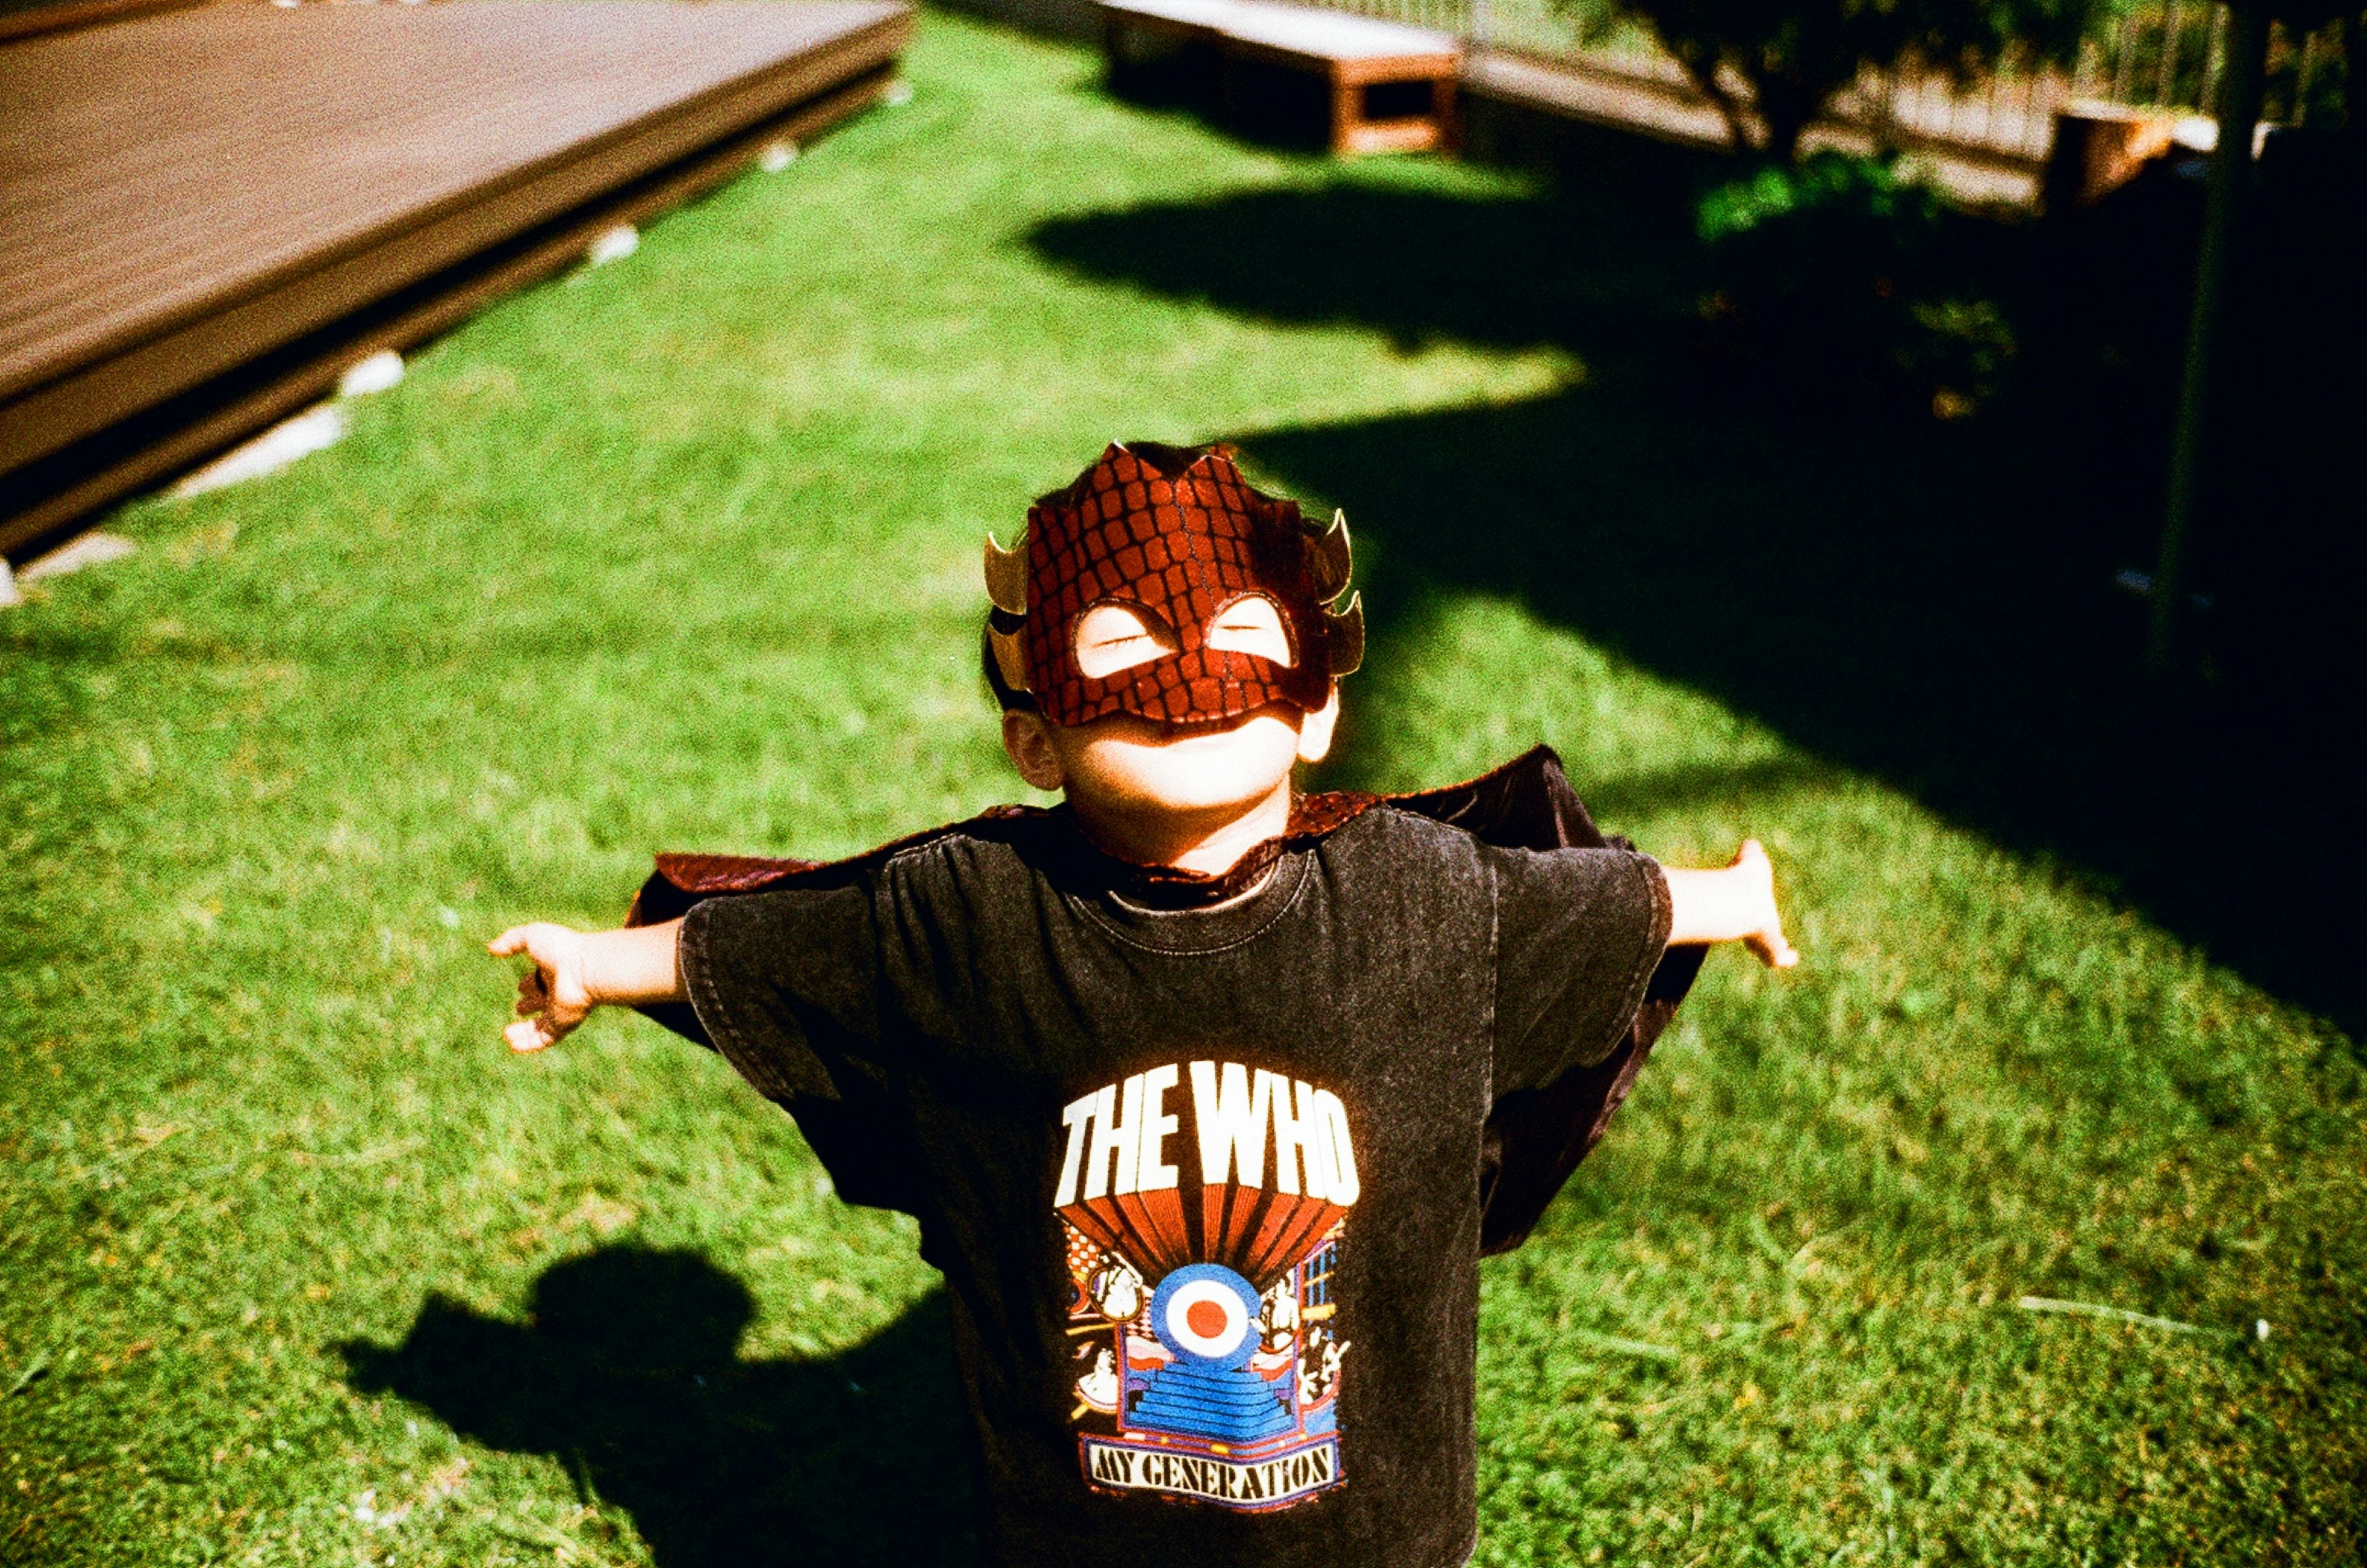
(1207,842)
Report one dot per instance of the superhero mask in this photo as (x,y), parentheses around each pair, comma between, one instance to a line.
(1161,585)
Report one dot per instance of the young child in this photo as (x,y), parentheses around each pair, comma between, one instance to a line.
(1208,1095)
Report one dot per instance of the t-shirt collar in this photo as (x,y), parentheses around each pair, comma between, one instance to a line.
(1167,889)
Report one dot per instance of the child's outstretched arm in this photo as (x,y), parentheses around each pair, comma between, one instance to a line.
(1736,903)
(576,971)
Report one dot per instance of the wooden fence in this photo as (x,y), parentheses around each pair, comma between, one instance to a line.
(2159,55)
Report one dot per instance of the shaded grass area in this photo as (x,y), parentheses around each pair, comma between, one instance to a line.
(1753,497)
(300,1266)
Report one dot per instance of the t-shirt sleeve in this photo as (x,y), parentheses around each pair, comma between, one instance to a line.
(1577,934)
(787,984)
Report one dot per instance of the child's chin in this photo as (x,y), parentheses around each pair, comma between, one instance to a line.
(1197,802)
(1187,791)
(1189,770)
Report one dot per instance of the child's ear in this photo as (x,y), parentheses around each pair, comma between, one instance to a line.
(1315,733)
(1028,740)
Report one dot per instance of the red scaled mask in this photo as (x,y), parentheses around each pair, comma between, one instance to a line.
(1161,585)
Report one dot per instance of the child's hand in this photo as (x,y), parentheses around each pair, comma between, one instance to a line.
(1758,873)
(1734,903)
(553,996)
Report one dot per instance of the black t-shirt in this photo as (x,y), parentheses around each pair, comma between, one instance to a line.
(1204,1185)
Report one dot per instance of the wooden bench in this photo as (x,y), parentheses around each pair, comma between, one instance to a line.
(1353,54)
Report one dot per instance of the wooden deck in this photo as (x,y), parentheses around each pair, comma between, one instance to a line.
(206,214)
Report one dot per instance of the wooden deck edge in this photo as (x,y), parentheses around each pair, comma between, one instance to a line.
(1643,107)
(153,360)
(1688,118)
(87,14)
(48,499)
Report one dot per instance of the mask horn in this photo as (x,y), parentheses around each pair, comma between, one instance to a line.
(1329,559)
(1343,637)
(1010,659)
(1006,576)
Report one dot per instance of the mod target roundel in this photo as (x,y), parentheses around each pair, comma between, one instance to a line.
(1205,1313)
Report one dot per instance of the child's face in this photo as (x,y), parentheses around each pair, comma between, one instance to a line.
(1122,765)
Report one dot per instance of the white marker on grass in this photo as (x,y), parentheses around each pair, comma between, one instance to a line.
(613,244)
(93,549)
(378,373)
(309,432)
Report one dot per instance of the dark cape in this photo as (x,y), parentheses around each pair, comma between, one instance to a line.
(1534,1138)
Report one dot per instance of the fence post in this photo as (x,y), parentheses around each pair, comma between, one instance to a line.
(2215,49)
(2354,76)
(2301,83)
(2231,173)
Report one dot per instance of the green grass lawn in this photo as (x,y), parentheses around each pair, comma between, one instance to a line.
(298,1264)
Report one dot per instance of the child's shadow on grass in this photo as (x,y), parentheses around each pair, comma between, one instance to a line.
(627,1372)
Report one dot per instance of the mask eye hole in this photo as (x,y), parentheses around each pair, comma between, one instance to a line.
(1251,625)
(1111,638)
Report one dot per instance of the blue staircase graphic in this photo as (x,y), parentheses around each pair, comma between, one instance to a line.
(1231,1405)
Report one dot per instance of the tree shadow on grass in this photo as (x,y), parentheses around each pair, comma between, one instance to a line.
(1923,600)
(627,1372)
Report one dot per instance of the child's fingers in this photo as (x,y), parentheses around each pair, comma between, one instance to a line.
(528,1035)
